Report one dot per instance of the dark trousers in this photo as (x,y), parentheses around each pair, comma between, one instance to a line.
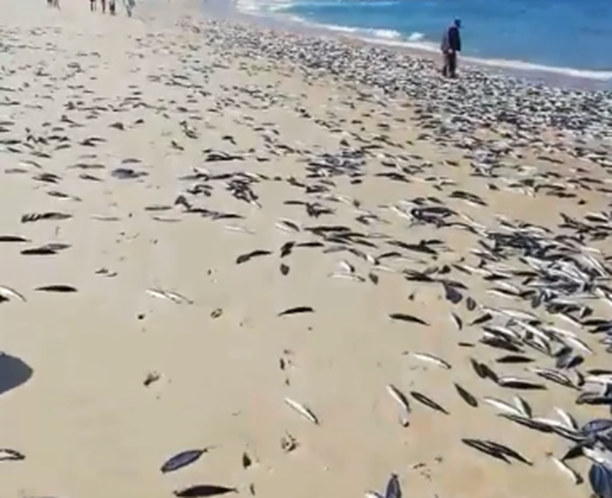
(449,69)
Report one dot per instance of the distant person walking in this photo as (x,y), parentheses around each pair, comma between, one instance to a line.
(111,7)
(129,6)
(451,45)
(92,5)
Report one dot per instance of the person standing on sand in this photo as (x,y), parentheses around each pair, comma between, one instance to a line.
(451,45)
(129,6)
(111,7)
(103,3)
(92,5)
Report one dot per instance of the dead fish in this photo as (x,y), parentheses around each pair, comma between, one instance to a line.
(169,295)
(13,238)
(600,478)
(514,358)
(421,398)
(401,399)
(466,396)
(127,173)
(429,358)
(182,459)
(287,226)
(7,454)
(483,447)
(57,288)
(393,489)
(286,248)
(456,321)
(503,406)
(45,250)
(567,470)
(243,258)
(518,383)
(51,215)
(505,450)
(8,293)
(451,293)
(302,410)
(296,310)
(483,371)
(203,490)
(407,318)
(495,450)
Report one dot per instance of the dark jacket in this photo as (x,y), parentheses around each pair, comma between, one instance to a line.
(451,40)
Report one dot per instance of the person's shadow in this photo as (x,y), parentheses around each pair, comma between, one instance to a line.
(13,372)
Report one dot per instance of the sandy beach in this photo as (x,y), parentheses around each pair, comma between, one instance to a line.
(201,220)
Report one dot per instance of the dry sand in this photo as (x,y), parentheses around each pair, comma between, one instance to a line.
(86,422)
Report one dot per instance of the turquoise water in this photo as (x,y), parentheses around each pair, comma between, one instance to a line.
(566,36)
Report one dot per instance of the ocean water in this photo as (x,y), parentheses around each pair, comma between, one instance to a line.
(572,37)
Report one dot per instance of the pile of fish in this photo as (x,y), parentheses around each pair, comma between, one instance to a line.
(481,98)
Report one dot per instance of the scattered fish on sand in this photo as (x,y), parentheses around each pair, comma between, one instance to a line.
(182,459)
(302,410)
(204,490)
(169,295)
(296,311)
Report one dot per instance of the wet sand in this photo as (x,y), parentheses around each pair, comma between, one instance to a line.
(158,150)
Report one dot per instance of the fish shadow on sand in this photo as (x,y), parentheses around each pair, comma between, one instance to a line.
(13,372)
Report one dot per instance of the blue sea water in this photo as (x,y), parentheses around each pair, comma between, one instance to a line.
(567,36)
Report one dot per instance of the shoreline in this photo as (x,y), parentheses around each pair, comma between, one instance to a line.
(554,77)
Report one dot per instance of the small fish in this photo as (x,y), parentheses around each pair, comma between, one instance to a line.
(204,490)
(407,318)
(451,293)
(421,398)
(56,288)
(393,489)
(485,448)
(456,321)
(302,410)
(286,248)
(182,459)
(600,478)
(567,470)
(296,310)
(505,450)
(567,419)
(466,396)
(514,358)
(518,383)
(13,455)
(503,406)
(523,407)
(8,293)
(13,238)
(287,226)
(402,401)
(243,258)
(169,295)
(429,358)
